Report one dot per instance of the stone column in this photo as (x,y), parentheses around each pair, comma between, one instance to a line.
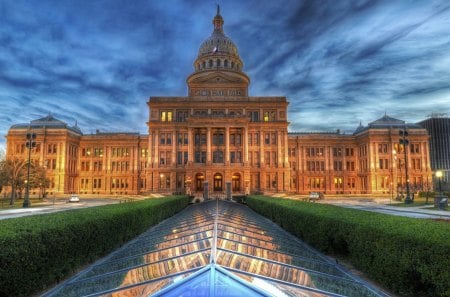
(280,163)
(227,145)
(286,146)
(261,147)
(245,137)
(150,149)
(174,149)
(208,145)
(156,158)
(190,146)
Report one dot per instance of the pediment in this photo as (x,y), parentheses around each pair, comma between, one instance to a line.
(217,78)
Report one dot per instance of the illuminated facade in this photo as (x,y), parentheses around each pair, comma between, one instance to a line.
(219,135)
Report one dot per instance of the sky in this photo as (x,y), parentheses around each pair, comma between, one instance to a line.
(339,63)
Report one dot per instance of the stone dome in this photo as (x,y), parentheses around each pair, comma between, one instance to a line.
(218,67)
(218,44)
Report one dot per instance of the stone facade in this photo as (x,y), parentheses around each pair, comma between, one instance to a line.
(220,135)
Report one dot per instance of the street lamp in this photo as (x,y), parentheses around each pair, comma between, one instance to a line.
(393,177)
(404,141)
(31,137)
(439,175)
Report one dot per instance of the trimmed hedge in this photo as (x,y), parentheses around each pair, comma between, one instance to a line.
(409,256)
(37,251)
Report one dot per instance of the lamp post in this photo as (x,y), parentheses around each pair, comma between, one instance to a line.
(393,177)
(31,137)
(404,141)
(439,175)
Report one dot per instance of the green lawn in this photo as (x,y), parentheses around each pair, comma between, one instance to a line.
(18,203)
(418,201)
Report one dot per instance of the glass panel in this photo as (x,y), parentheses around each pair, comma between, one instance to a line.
(256,250)
(146,289)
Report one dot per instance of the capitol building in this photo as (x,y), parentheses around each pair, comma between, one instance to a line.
(220,135)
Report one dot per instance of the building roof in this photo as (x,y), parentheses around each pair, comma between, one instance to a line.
(386,122)
(48,122)
(215,248)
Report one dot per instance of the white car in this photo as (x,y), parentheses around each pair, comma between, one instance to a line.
(74,198)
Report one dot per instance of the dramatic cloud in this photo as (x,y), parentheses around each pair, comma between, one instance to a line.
(338,62)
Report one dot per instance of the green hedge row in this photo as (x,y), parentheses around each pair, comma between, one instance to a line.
(409,256)
(37,251)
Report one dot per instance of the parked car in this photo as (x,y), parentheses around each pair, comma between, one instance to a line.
(74,198)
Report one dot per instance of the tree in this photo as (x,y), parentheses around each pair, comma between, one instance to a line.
(2,171)
(13,173)
(39,180)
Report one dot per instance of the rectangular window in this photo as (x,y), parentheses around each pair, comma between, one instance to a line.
(348,152)
(337,152)
(256,135)
(267,158)
(179,158)
(254,116)
(98,152)
(337,165)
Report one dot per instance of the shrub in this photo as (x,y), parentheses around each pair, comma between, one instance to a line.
(409,256)
(37,251)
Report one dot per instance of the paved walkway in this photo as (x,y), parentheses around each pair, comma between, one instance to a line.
(382,205)
(51,207)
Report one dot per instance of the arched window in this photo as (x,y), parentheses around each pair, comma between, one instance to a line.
(218,62)
(232,64)
(210,63)
(204,64)
(225,64)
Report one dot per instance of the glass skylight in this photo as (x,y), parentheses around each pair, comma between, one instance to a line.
(215,248)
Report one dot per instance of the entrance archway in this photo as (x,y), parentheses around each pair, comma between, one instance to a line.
(218,182)
(236,182)
(199,180)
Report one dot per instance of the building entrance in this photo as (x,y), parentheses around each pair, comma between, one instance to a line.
(236,182)
(199,180)
(218,182)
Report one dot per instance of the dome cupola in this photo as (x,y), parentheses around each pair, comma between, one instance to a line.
(218,61)
(218,43)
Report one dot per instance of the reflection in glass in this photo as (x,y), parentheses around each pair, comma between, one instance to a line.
(220,247)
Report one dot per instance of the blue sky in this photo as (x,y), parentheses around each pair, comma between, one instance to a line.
(337,62)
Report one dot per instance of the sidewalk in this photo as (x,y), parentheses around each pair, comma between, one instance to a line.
(382,205)
(377,204)
(58,205)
